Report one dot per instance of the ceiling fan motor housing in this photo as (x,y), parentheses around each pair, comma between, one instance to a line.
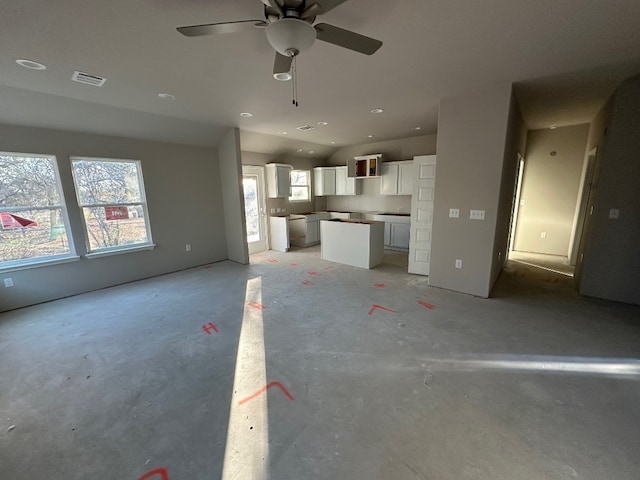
(290,36)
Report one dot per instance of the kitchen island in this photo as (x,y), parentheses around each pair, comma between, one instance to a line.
(359,243)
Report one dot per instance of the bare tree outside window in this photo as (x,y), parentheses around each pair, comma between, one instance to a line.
(111,195)
(300,186)
(32,213)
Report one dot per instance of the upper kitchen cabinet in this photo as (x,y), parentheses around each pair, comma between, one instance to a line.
(324,181)
(278,180)
(397,178)
(346,185)
(364,166)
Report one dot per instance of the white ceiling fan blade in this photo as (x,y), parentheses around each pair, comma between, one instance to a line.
(347,39)
(222,27)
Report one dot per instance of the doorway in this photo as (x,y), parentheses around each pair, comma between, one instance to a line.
(255,208)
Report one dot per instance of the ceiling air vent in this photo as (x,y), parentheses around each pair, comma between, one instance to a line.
(88,78)
(305,128)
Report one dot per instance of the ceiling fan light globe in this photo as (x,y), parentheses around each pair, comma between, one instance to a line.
(290,34)
(282,76)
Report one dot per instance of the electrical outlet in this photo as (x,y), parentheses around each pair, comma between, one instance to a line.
(273,210)
(543,234)
(187,247)
(454,213)
(614,213)
(476,214)
(458,263)
(8,282)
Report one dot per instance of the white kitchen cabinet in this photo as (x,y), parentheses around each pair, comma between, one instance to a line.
(279,233)
(406,174)
(364,166)
(304,229)
(396,231)
(396,178)
(278,180)
(324,181)
(389,178)
(346,185)
(399,236)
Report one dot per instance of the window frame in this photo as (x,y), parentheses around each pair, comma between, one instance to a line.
(114,250)
(307,186)
(25,263)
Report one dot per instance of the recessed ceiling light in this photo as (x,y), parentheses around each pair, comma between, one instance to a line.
(283,133)
(552,127)
(246,114)
(333,143)
(377,110)
(311,152)
(282,76)
(417,128)
(299,150)
(30,64)
(167,96)
(369,136)
(323,123)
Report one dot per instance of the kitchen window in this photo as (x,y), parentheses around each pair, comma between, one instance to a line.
(300,186)
(34,227)
(114,207)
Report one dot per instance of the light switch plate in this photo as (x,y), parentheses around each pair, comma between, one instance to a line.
(476,214)
(454,213)
(8,282)
(614,213)
(458,263)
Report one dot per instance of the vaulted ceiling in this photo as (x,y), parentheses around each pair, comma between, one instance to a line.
(564,57)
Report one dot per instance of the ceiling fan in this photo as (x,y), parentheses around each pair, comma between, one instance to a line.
(290,31)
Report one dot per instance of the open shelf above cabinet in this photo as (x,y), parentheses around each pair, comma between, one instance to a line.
(365,166)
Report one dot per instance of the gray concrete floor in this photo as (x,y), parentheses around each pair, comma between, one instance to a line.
(535,383)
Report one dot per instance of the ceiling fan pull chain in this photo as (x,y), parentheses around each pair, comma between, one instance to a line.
(295,82)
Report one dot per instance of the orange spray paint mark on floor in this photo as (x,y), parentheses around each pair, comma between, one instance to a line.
(430,306)
(374,307)
(161,472)
(264,389)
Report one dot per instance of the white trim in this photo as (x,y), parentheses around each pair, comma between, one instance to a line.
(119,250)
(142,202)
(42,262)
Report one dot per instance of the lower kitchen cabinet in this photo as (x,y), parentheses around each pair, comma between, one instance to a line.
(304,229)
(396,231)
(399,236)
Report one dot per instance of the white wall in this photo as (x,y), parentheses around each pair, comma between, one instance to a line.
(611,264)
(550,188)
(232,197)
(370,200)
(182,184)
(472,139)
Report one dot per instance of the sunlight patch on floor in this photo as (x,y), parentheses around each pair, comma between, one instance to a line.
(247,449)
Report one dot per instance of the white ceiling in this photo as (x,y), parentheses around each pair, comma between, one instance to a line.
(564,57)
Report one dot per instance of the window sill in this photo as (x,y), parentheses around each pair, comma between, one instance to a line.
(119,251)
(40,263)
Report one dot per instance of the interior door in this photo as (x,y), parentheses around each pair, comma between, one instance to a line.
(422,214)
(255,209)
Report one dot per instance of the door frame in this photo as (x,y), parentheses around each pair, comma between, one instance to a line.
(259,172)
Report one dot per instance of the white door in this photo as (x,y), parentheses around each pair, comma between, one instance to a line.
(422,214)
(255,208)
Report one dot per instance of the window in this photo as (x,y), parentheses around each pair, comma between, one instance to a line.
(34,226)
(111,195)
(300,191)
